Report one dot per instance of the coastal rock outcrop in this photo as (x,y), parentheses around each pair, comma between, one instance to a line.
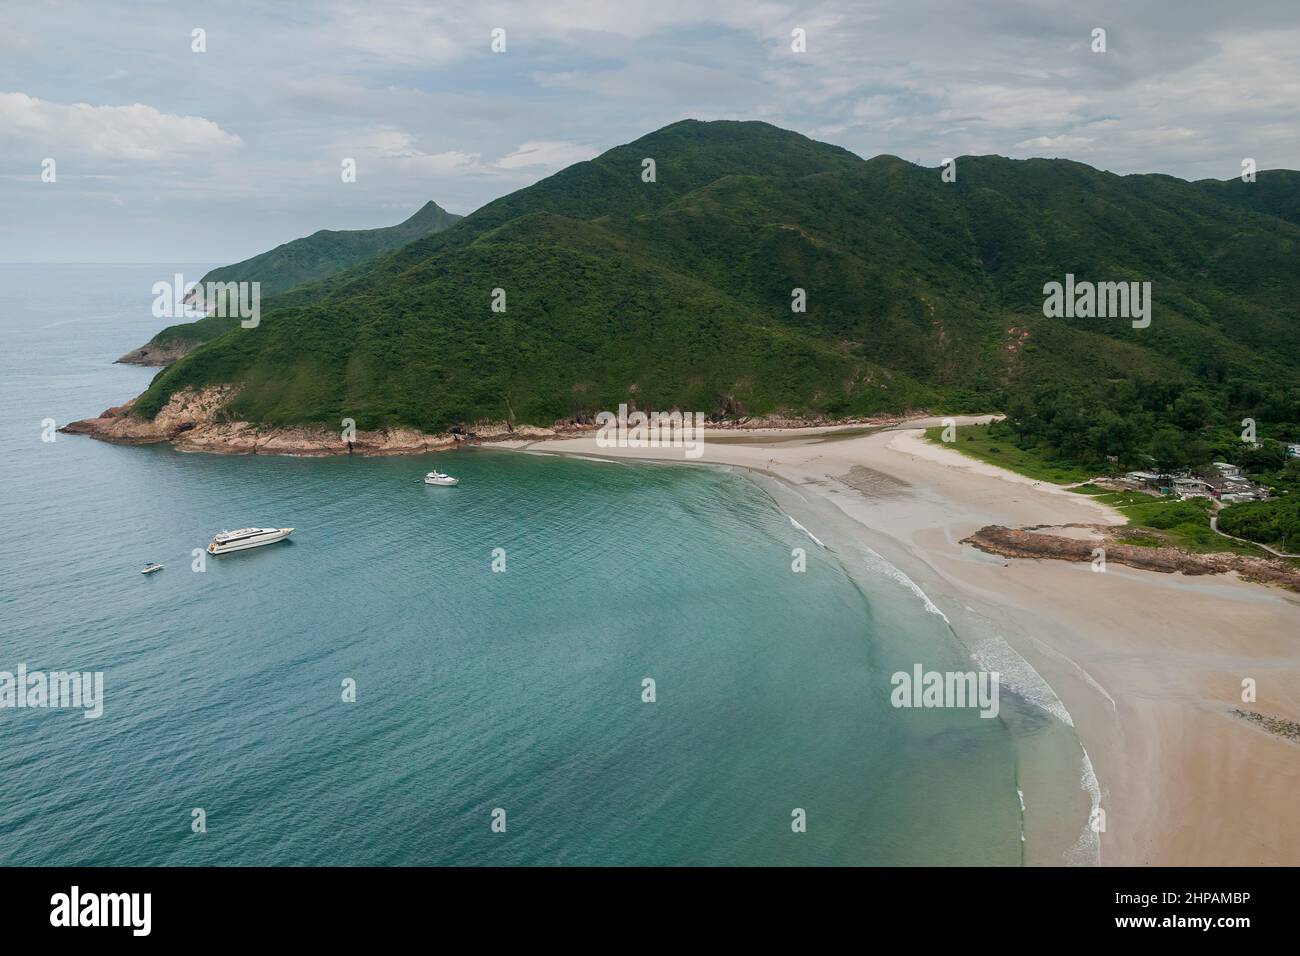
(184,412)
(1280,726)
(193,420)
(1032,543)
(156,354)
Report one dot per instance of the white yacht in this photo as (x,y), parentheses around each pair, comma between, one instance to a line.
(438,478)
(246,538)
(151,568)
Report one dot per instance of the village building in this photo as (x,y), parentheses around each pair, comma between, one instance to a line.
(1188,487)
(1225,487)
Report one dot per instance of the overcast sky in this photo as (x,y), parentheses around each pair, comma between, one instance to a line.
(164,154)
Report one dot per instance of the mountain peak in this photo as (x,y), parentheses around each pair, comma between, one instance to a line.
(728,135)
(429,218)
(675,291)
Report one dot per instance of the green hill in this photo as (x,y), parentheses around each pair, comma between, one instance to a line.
(309,259)
(920,293)
(1275,192)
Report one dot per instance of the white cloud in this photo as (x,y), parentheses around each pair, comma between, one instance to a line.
(446,162)
(650,79)
(421,34)
(404,149)
(875,107)
(389,143)
(411,89)
(547,154)
(1063,142)
(135,132)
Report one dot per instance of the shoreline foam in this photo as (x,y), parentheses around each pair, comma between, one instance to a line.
(1050,841)
(1148,665)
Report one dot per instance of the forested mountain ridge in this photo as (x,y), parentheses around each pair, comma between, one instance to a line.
(290,264)
(677,292)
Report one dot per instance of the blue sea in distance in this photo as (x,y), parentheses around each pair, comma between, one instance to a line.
(476,690)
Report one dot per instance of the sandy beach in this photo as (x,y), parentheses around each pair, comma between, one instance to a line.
(1148,665)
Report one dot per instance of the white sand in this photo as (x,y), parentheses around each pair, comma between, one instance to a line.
(1148,665)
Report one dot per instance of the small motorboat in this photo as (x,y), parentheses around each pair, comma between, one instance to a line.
(151,568)
(438,478)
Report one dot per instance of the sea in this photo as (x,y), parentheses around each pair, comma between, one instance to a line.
(557,662)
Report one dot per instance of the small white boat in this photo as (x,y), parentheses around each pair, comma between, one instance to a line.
(151,568)
(246,538)
(438,478)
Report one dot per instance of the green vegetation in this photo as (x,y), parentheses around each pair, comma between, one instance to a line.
(1275,192)
(328,251)
(193,334)
(987,443)
(310,259)
(1268,464)
(920,294)
(1151,425)
(1275,523)
(1169,522)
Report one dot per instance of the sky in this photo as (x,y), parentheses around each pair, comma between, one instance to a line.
(162,153)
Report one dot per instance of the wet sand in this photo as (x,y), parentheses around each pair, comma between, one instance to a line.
(1149,666)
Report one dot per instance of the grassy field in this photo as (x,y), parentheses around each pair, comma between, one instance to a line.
(974,440)
(1170,523)
(1164,522)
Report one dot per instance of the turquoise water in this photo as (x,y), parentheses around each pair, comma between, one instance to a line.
(475,689)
